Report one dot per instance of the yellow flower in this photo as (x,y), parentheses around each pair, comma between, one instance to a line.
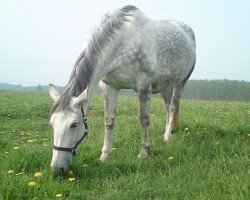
(170,158)
(70,173)
(38,174)
(58,195)
(16,148)
(32,184)
(11,171)
(72,179)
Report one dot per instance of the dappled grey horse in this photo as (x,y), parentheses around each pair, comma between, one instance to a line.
(128,50)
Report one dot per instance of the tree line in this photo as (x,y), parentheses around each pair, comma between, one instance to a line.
(217,90)
(231,90)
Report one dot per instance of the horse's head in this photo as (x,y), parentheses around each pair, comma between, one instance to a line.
(70,128)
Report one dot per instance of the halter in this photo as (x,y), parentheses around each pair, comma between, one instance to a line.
(85,134)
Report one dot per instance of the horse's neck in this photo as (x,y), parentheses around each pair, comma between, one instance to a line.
(101,69)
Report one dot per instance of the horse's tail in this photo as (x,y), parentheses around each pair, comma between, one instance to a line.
(189,74)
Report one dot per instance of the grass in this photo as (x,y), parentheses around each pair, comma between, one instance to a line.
(210,152)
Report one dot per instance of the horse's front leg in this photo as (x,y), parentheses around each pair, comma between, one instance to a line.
(110,98)
(144,112)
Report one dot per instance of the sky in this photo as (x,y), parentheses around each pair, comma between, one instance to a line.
(40,40)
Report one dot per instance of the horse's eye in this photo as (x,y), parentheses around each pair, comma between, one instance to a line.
(74,125)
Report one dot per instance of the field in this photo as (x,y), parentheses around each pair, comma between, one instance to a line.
(207,158)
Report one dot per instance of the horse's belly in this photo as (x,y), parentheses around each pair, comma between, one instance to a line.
(131,77)
(122,79)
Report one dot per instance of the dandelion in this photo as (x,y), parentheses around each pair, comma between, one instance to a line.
(170,158)
(58,195)
(32,184)
(11,171)
(15,148)
(38,174)
(72,179)
(70,173)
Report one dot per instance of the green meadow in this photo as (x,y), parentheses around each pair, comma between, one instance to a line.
(207,158)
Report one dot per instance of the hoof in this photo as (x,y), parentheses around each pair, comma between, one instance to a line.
(142,155)
(104,157)
(144,151)
(166,138)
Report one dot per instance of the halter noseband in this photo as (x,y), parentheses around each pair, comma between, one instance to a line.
(85,134)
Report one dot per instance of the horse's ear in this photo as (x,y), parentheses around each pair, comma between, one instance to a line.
(53,92)
(81,99)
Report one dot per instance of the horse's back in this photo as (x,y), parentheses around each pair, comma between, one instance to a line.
(179,26)
(164,42)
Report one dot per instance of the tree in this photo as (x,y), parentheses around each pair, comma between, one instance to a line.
(39,88)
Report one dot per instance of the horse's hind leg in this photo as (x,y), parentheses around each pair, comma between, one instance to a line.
(166,95)
(144,101)
(110,98)
(172,101)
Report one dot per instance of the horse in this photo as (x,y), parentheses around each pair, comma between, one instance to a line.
(127,51)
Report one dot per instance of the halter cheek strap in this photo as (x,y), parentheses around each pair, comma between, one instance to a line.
(85,134)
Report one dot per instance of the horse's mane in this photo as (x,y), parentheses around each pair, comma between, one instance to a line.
(85,63)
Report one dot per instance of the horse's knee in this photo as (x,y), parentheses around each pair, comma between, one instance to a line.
(145,120)
(110,122)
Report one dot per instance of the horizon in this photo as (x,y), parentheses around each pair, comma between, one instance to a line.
(46,85)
